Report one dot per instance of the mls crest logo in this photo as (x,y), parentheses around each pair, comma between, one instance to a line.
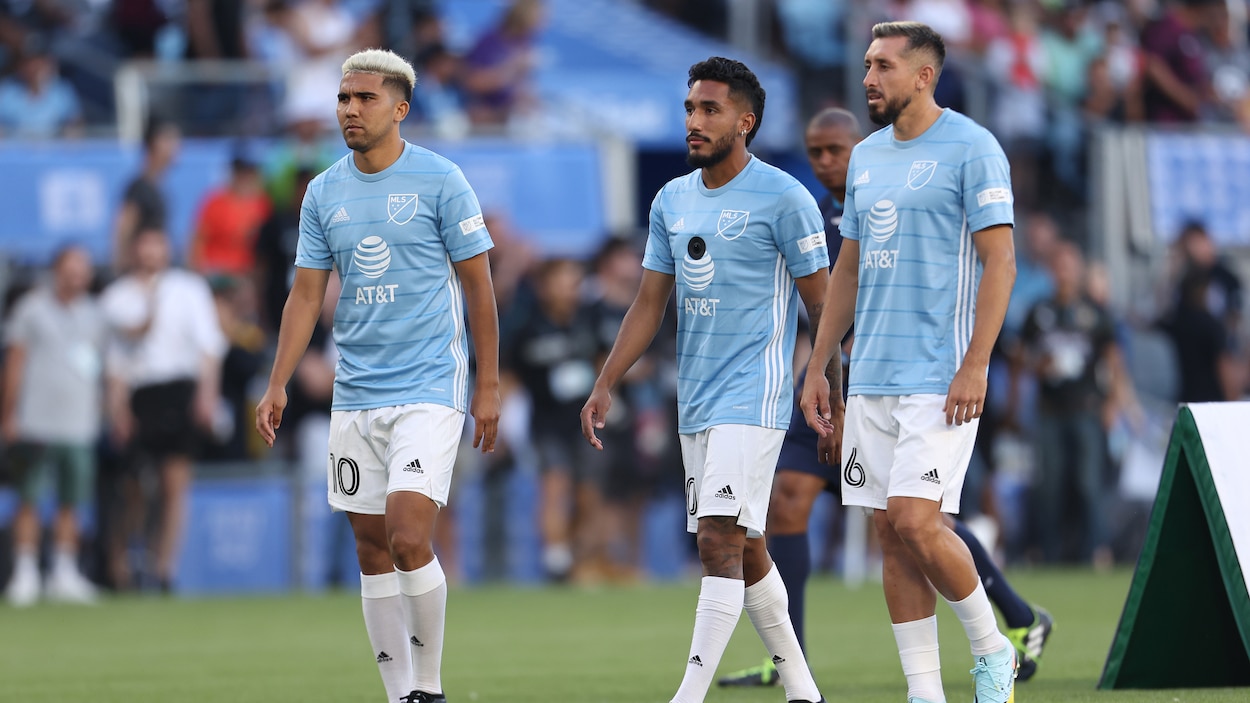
(400,209)
(920,173)
(732,224)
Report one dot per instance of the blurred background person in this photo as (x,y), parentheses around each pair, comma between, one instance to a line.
(552,354)
(50,418)
(499,67)
(1068,342)
(144,203)
(164,389)
(36,103)
(223,242)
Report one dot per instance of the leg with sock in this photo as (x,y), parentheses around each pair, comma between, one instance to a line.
(716,616)
(384,621)
(918,650)
(425,607)
(1016,612)
(766,604)
(911,602)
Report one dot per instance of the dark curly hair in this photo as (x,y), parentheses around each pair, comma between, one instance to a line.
(743,85)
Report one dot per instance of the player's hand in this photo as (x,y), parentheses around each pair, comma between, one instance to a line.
(829,447)
(485,410)
(965,400)
(204,410)
(595,414)
(815,403)
(269,414)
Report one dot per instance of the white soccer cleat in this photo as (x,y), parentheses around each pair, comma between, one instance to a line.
(23,590)
(71,587)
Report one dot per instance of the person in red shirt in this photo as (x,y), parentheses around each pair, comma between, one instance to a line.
(223,242)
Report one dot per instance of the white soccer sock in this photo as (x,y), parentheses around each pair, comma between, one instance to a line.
(715,617)
(977,616)
(767,604)
(388,634)
(64,561)
(26,560)
(425,596)
(918,650)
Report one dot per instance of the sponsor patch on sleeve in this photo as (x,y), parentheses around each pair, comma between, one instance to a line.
(472,224)
(811,241)
(993,195)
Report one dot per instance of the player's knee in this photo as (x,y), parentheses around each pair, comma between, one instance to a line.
(720,547)
(374,555)
(788,510)
(915,526)
(411,548)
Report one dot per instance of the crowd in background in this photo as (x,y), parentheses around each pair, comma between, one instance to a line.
(1079,390)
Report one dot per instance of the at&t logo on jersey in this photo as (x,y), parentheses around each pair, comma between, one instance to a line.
(372,259)
(697,271)
(882,224)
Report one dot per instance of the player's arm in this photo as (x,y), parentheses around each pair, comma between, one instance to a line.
(483,313)
(299,317)
(639,327)
(835,319)
(966,399)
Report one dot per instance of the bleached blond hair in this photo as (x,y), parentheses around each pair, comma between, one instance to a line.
(394,69)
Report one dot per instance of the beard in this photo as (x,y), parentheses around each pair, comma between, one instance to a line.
(887,111)
(361,141)
(721,149)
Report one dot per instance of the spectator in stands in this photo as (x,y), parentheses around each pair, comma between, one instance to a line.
(322,33)
(1176,83)
(137,24)
(224,239)
(1228,68)
(813,33)
(1070,48)
(1016,64)
(1115,77)
(499,67)
(553,354)
(164,387)
(276,248)
(1068,342)
(215,32)
(1034,281)
(36,103)
(50,419)
(144,205)
(438,99)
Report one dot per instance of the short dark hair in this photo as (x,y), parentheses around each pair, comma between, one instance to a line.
(743,84)
(920,37)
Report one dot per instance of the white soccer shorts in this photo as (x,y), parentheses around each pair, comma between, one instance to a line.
(401,448)
(729,472)
(902,446)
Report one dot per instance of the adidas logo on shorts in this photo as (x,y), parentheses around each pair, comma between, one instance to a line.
(726,493)
(931,477)
(414,466)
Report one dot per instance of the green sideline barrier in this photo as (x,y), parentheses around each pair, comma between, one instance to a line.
(1186,621)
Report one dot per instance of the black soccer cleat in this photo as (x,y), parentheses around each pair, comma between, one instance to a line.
(822,700)
(423,697)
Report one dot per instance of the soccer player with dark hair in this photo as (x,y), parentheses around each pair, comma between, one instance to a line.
(925,271)
(741,241)
(405,232)
(802,477)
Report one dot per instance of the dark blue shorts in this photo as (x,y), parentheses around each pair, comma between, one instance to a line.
(798,453)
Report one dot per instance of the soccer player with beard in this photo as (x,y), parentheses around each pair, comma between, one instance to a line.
(404,231)
(928,196)
(741,241)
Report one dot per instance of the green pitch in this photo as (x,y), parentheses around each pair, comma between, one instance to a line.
(514,645)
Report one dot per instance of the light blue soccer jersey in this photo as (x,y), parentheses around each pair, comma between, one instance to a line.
(735,252)
(914,206)
(393,236)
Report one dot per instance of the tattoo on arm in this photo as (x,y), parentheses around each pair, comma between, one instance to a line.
(833,370)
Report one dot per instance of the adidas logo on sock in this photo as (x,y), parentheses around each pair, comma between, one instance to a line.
(778,659)
(931,477)
(726,493)
(383,657)
(340,217)
(414,466)
(415,642)
(696,660)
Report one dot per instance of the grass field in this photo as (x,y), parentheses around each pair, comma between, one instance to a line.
(519,645)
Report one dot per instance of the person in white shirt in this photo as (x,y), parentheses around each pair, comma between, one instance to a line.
(164,369)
